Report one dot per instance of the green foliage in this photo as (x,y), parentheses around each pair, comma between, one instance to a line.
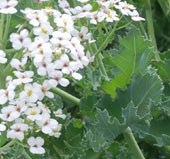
(136,95)
(133,59)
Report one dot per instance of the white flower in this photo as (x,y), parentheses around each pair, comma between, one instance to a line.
(56,131)
(135,16)
(97,17)
(60,39)
(44,90)
(47,124)
(19,65)
(76,75)
(111,15)
(36,145)
(3,60)
(65,21)
(83,34)
(43,66)
(30,93)
(35,17)
(81,12)
(43,50)
(6,95)
(125,8)
(57,78)
(43,31)
(74,47)
(9,113)
(33,113)
(23,77)
(2,127)
(20,40)
(65,65)
(83,1)
(7,7)
(17,131)
(59,113)
(19,105)
(64,5)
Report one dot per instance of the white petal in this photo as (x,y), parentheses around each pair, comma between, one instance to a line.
(64,82)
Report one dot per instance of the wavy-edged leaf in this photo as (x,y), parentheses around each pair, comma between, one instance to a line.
(140,91)
(163,69)
(132,60)
(104,129)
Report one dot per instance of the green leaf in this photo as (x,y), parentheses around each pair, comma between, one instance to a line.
(3,139)
(165,5)
(140,91)
(94,77)
(163,69)
(133,59)
(104,129)
(157,129)
(129,108)
(87,105)
(77,123)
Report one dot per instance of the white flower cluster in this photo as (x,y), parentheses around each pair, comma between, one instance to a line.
(55,51)
(107,10)
(8,7)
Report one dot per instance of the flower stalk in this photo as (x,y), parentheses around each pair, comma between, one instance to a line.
(150,26)
(109,37)
(2,26)
(2,78)
(66,95)
(133,144)
(5,36)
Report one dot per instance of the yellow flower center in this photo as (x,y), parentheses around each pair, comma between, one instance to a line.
(109,15)
(48,7)
(29,93)
(55,131)
(44,31)
(33,113)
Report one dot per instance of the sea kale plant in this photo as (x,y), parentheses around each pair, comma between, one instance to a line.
(83,79)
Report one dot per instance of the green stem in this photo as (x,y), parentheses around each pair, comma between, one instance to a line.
(101,65)
(10,50)
(133,144)
(124,26)
(25,154)
(2,26)
(142,28)
(12,142)
(166,37)
(66,95)
(151,28)
(109,37)
(103,46)
(6,30)
(2,78)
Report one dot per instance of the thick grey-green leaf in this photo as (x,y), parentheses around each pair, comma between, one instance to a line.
(140,91)
(163,69)
(132,60)
(104,129)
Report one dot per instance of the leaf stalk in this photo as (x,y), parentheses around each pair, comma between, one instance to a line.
(133,144)
(151,27)
(12,142)
(66,95)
